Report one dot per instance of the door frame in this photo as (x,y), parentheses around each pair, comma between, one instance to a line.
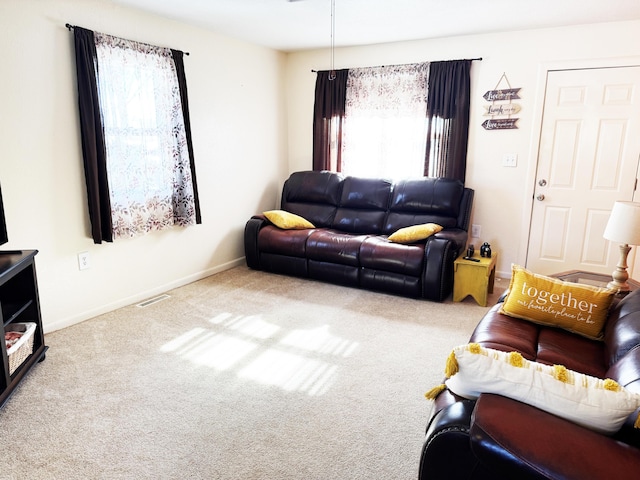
(534,149)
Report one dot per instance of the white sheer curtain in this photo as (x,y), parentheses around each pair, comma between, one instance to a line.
(385,126)
(147,156)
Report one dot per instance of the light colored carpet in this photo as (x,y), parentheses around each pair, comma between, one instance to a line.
(243,375)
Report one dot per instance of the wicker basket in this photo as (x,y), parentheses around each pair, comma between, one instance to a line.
(20,350)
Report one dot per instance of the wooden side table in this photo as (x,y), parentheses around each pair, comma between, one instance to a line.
(593,279)
(474,278)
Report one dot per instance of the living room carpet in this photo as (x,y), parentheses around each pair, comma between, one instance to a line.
(242,375)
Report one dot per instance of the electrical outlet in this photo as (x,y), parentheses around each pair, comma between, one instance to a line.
(475,231)
(83,260)
(510,160)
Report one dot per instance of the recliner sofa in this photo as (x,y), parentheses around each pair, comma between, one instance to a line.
(495,437)
(353,217)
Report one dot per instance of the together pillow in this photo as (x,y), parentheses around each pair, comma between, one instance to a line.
(287,220)
(581,309)
(601,405)
(414,233)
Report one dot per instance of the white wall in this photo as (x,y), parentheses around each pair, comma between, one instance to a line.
(251,111)
(503,195)
(239,132)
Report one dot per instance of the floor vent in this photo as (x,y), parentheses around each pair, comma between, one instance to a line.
(153,300)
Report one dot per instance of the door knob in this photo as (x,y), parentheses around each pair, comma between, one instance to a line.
(542,182)
(540,197)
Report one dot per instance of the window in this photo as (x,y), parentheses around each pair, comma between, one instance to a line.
(393,122)
(143,155)
(385,124)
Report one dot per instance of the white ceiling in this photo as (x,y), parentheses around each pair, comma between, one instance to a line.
(304,24)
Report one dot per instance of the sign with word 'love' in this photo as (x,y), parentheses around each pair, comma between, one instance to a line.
(500,124)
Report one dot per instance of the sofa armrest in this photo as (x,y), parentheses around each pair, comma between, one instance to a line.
(458,236)
(251,230)
(437,274)
(446,452)
(521,441)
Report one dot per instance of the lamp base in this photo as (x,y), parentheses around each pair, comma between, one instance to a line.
(620,275)
(619,287)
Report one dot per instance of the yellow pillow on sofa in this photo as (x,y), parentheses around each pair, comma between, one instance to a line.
(581,309)
(287,220)
(601,405)
(414,233)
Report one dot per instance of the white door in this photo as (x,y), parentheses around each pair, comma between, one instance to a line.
(587,159)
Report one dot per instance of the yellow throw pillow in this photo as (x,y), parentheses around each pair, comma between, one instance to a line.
(287,220)
(414,233)
(581,309)
(601,405)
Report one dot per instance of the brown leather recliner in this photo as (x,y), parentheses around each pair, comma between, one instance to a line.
(353,217)
(496,437)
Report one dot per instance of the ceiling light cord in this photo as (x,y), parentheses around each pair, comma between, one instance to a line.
(332,73)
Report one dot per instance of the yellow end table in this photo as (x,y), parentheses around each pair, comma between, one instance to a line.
(474,278)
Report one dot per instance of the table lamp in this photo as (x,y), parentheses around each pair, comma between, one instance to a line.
(623,227)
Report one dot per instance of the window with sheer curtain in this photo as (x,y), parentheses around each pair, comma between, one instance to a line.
(393,122)
(385,121)
(147,177)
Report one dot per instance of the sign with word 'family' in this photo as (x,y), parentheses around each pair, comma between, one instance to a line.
(501,109)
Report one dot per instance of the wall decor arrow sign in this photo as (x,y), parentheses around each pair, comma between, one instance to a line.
(500,124)
(507,108)
(501,109)
(499,95)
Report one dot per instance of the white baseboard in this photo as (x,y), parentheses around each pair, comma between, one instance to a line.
(140,296)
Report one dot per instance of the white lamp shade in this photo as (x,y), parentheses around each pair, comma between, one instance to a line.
(624,223)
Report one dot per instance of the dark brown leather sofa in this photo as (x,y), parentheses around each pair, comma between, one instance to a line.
(354,217)
(496,437)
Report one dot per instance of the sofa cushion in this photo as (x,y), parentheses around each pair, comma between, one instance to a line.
(363,205)
(293,243)
(424,200)
(415,233)
(539,343)
(558,346)
(601,405)
(287,220)
(626,371)
(313,187)
(581,309)
(622,333)
(332,246)
(313,195)
(377,253)
(505,333)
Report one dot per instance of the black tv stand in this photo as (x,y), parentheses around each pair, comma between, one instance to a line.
(19,302)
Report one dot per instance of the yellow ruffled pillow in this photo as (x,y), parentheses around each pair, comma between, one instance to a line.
(601,405)
(287,220)
(581,309)
(414,233)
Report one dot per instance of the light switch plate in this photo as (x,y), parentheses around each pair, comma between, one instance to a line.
(510,160)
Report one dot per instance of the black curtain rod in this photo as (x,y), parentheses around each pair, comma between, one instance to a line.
(71,27)
(472,59)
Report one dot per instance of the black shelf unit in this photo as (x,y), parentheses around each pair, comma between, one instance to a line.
(19,302)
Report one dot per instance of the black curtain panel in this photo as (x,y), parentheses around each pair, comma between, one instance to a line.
(448,105)
(328,115)
(92,133)
(178,58)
